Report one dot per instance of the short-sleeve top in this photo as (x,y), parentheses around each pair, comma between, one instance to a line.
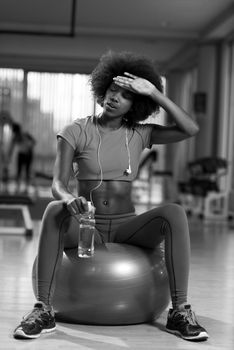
(101,152)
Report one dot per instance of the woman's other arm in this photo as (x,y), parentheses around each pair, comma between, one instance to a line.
(183,127)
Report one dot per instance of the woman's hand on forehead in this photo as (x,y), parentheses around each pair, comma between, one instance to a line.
(135,84)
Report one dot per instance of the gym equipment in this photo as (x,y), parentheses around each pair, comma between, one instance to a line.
(15,211)
(153,186)
(202,194)
(121,284)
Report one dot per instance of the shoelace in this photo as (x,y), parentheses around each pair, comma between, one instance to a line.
(189,316)
(33,315)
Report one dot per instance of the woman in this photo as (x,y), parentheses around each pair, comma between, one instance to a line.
(105,152)
(25,143)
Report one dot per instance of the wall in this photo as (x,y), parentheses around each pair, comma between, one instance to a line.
(79,54)
(181,88)
(206,139)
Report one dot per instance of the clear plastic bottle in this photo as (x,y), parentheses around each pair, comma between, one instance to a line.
(86,233)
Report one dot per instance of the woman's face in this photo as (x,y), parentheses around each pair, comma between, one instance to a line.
(117,101)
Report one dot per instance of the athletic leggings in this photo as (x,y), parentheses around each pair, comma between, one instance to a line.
(169,222)
(24,161)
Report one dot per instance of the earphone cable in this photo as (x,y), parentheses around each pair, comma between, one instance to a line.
(100,166)
(129,170)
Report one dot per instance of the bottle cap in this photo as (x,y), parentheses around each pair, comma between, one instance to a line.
(91,208)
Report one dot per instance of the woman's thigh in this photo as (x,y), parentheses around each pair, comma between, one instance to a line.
(145,230)
(150,228)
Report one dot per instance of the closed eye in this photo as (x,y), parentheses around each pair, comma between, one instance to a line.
(114,87)
(128,95)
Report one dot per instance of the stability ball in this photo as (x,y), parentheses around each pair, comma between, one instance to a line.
(121,284)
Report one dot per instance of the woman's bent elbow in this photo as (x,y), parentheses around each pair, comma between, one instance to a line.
(194,130)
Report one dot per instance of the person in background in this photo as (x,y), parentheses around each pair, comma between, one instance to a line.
(104,152)
(25,144)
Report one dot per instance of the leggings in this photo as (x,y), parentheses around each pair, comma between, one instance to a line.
(169,223)
(24,161)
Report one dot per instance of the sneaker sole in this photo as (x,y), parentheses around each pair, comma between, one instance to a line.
(200,337)
(19,334)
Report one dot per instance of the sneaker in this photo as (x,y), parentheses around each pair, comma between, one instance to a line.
(38,321)
(184,324)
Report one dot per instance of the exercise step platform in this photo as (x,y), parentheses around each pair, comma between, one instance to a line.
(15,217)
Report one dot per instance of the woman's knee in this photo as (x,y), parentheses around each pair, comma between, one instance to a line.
(55,211)
(173,212)
(175,208)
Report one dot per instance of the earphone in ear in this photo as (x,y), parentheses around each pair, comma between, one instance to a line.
(128,171)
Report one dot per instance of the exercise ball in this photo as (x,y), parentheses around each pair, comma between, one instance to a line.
(121,284)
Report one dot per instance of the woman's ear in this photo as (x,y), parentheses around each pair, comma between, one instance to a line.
(100,101)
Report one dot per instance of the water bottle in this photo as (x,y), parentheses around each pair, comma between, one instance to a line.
(86,233)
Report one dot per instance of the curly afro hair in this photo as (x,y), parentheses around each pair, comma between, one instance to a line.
(112,64)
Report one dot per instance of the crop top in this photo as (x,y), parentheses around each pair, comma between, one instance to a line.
(94,148)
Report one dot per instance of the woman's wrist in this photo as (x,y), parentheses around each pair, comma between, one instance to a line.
(62,194)
(157,96)
(64,197)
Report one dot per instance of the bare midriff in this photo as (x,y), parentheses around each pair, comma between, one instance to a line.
(111,197)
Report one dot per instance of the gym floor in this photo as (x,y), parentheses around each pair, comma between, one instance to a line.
(211,293)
